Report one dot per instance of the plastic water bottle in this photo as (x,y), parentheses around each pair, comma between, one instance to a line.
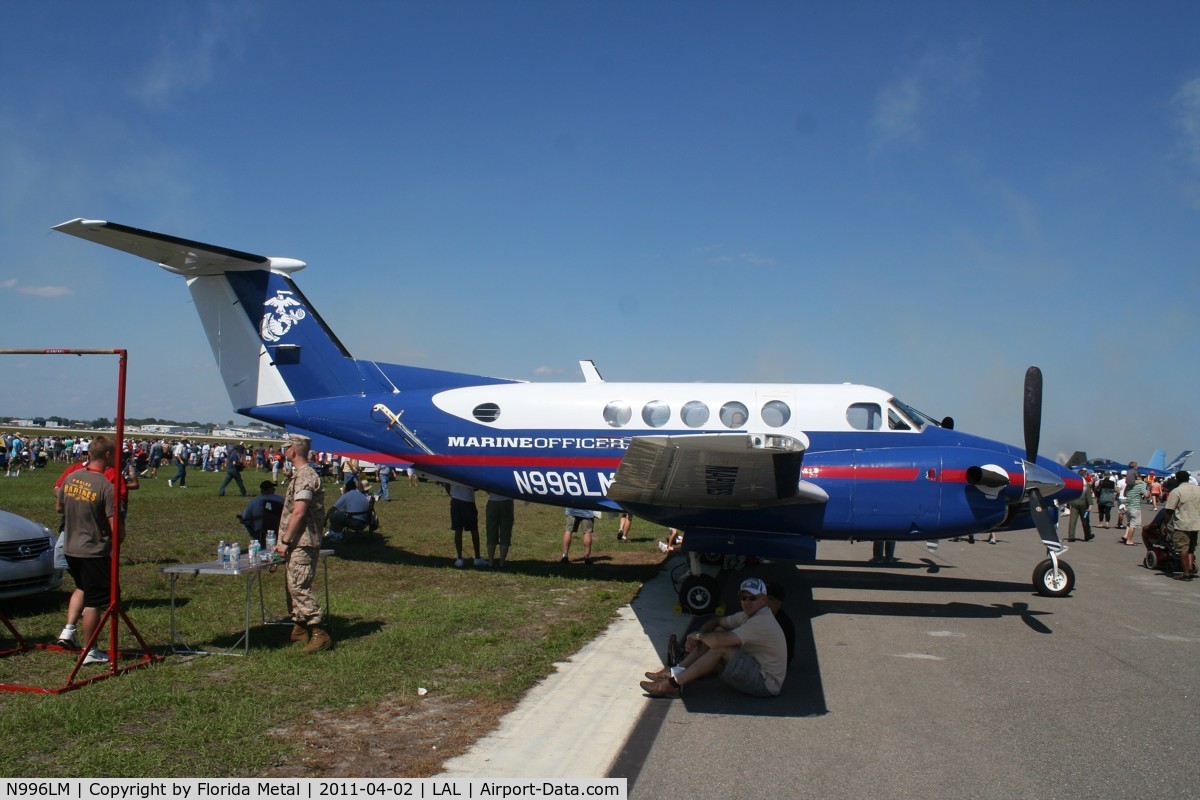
(225,556)
(235,554)
(255,548)
(221,553)
(271,540)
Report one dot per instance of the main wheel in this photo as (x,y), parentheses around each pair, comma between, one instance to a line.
(1151,560)
(700,594)
(1049,584)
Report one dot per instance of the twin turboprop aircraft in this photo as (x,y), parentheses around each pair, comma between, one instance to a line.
(754,469)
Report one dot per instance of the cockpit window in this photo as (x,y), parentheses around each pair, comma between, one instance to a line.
(865,416)
(896,422)
(917,418)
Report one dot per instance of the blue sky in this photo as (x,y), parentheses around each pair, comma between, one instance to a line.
(925,197)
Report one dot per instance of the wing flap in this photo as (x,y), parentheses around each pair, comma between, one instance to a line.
(714,471)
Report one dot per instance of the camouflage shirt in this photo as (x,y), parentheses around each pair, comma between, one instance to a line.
(305,485)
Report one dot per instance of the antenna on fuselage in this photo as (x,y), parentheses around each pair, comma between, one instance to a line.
(590,373)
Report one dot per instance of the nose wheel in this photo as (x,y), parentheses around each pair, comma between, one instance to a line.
(1053,578)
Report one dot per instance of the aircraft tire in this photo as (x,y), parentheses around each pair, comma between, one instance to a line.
(1151,560)
(1045,583)
(700,594)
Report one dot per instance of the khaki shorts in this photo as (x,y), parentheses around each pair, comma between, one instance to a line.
(577,524)
(1185,541)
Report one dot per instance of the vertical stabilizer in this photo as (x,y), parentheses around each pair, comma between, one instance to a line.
(270,344)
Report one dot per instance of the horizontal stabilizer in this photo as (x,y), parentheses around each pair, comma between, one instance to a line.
(714,471)
(181,256)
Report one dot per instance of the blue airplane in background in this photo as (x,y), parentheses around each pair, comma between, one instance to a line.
(1156,466)
(753,469)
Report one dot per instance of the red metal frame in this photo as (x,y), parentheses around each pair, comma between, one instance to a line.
(114,614)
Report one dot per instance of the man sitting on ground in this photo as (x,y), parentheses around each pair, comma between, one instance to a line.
(748,649)
(352,513)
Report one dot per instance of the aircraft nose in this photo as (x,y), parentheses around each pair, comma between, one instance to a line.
(1041,479)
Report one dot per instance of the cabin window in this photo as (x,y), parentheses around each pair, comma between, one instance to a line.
(694,413)
(487,412)
(776,413)
(618,413)
(656,413)
(734,414)
(896,422)
(865,416)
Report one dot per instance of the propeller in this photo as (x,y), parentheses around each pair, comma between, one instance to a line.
(1033,413)
(1033,435)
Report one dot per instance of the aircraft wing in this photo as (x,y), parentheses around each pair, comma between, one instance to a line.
(714,471)
(181,256)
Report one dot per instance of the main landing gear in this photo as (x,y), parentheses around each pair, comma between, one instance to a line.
(699,593)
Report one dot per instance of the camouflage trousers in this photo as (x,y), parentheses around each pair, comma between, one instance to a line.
(301,569)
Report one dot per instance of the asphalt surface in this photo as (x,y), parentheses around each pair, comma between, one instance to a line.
(942,676)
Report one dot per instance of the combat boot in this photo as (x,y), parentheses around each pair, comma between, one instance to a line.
(299,634)
(320,641)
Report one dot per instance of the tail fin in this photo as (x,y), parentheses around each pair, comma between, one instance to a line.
(1178,462)
(1158,462)
(1077,459)
(270,344)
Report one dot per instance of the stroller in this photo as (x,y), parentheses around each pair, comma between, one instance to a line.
(1161,552)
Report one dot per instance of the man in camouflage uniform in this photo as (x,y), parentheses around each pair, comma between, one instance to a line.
(300,544)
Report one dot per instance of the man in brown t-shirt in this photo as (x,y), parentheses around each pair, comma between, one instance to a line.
(85,500)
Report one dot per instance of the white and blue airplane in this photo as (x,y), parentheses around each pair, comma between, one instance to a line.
(755,469)
(1157,465)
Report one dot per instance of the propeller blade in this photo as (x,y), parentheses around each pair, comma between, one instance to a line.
(1043,523)
(1033,412)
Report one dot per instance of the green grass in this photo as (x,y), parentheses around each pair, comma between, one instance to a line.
(403,618)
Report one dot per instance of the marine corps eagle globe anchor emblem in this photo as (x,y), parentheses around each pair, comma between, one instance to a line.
(286,311)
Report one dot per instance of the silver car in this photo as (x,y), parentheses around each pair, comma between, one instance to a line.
(26,557)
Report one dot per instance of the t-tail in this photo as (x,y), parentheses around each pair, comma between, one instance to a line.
(270,344)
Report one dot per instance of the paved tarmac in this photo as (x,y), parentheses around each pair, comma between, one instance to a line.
(943,676)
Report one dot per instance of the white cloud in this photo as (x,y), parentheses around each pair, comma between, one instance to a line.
(543,371)
(36,291)
(1186,104)
(188,63)
(746,259)
(904,108)
(1187,111)
(45,291)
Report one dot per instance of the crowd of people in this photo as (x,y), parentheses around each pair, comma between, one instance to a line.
(1133,495)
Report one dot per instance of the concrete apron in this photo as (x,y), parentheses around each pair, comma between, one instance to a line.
(575,722)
